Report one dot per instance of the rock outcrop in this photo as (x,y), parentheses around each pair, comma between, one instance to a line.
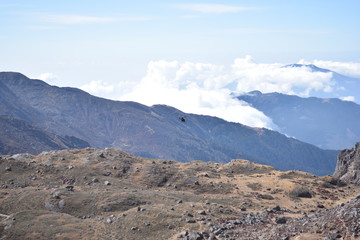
(348,165)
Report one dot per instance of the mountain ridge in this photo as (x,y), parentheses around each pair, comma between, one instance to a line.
(157,131)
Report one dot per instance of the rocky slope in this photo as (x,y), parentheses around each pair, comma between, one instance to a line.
(109,194)
(348,165)
(158,131)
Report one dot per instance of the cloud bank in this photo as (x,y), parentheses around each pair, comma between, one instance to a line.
(194,88)
(209,89)
(346,68)
(249,76)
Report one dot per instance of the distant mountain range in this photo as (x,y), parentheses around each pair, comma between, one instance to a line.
(329,123)
(159,131)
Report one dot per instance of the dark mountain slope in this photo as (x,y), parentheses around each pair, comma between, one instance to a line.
(10,104)
(161,131)
(18,136)
(327,123)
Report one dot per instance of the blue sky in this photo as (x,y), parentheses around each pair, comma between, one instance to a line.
(35,35)
(107,47)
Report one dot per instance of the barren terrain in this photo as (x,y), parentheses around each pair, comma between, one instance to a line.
(109,194)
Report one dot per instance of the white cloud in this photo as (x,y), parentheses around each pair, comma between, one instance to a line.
(194,88)
(204,88)
(82,19)
(348,98)
(347,68)
(48,77)
(98,88)
(213,8)
(275,78)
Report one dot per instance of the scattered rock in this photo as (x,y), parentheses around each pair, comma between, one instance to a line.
(141,209)
(202,212)
(281,220)
(333,236)
(107,183)
(56,195)
(195,236)
(212,236)
(54,205)
(182,234)
(277,209)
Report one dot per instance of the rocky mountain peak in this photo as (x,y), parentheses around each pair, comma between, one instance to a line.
(312,67)
(348,165)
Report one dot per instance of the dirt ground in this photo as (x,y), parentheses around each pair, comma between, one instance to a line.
(109,194)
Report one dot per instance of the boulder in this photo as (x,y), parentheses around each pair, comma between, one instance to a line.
(348,166)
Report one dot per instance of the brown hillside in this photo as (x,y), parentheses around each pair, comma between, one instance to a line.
(109,194)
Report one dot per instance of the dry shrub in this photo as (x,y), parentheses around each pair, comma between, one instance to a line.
(301,192)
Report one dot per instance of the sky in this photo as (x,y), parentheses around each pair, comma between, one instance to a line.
(193,55)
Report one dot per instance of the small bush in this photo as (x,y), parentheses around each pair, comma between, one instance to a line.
(301,192)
